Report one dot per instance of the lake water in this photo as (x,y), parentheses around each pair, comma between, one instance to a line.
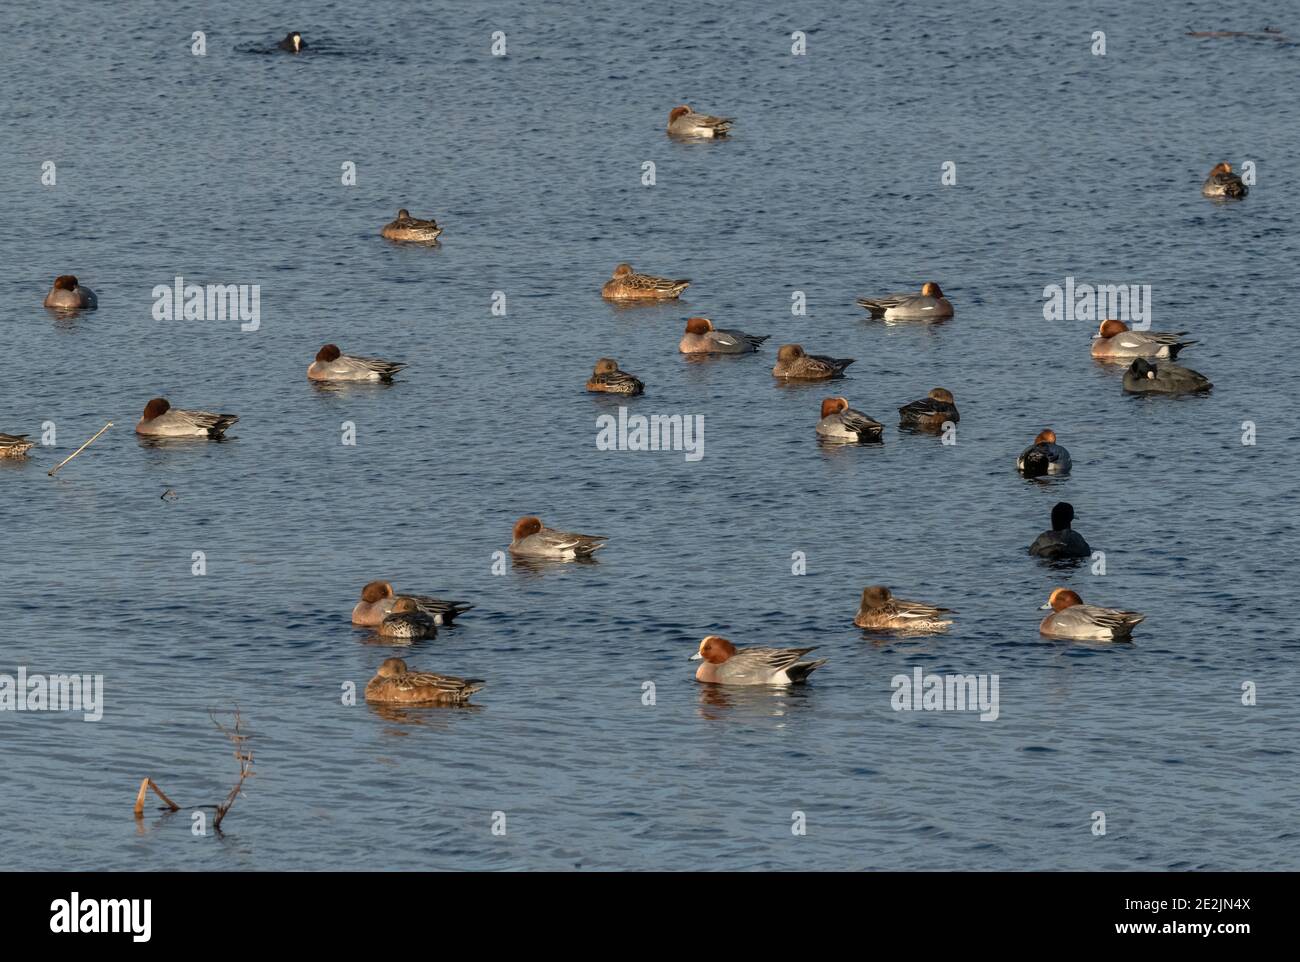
(227,168)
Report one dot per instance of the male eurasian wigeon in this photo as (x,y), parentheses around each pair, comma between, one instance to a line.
(685,122)
(879,609)
(841,423)
(702,337)
(408,228)
(793,363)
(931,412)
(726,664)
(378,599)
(1044,456)
(161,420)
(406,620)
(1222,182)
(606,378)
(533,540)
(331,364)
(1072,619)
(929,305)
(1146,377)
(68,295)
(1114,340)
(1061,541)
(14,445)
(627,285)
(293,42)
(395,684)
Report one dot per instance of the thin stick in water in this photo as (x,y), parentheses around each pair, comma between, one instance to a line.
(79,450)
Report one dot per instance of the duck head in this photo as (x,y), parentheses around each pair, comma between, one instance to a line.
(1060,599)
(714,649)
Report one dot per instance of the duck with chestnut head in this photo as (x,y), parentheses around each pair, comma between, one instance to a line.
(729,664)
(532,539)
(929,305)
(67,294)
(161,420)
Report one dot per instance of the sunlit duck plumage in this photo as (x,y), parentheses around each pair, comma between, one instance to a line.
(702,337)
(1044,456)
(627,285)
(1222,182)
(533,540)
(685,122)
(408,228)
(792,362)
(14,445)
(1146,377)
(161,420)
(331,364)
(929,305)
(930,412)
(879,609)
(1072,619)
(406,620)
(292,42)
(606,378)
(68,295)
(840,422)
(1061,541)
(1115,340)
(727,664)
(394,683)
(378,599)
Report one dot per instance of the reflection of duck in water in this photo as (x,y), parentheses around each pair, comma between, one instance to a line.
(293,42)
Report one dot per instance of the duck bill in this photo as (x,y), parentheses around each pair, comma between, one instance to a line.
(1046,607)
(696,657)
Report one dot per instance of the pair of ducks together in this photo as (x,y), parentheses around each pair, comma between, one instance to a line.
(728,664)
(1115,341)
(625,284)
(161,420)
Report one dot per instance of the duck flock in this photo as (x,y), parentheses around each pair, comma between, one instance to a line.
(401,617)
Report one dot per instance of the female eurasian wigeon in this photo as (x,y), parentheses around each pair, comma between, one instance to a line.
(161,420)
(606,378)
(841,423)
(1114,340)
(793,363)
(702,337)
(685,122)
(14,445)
(726,664)
(68,295)
(408,228)
(378,599)
(627,285)
(1061,541)
(395,684)
(1145,377)
(931,412)
(929,305)
(1072,619)
(1044,456)
(879,609)
(533,540)
(292,42)
(406,620)
(1222,182)
(331,364)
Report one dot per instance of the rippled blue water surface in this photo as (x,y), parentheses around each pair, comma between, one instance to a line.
(226,169)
